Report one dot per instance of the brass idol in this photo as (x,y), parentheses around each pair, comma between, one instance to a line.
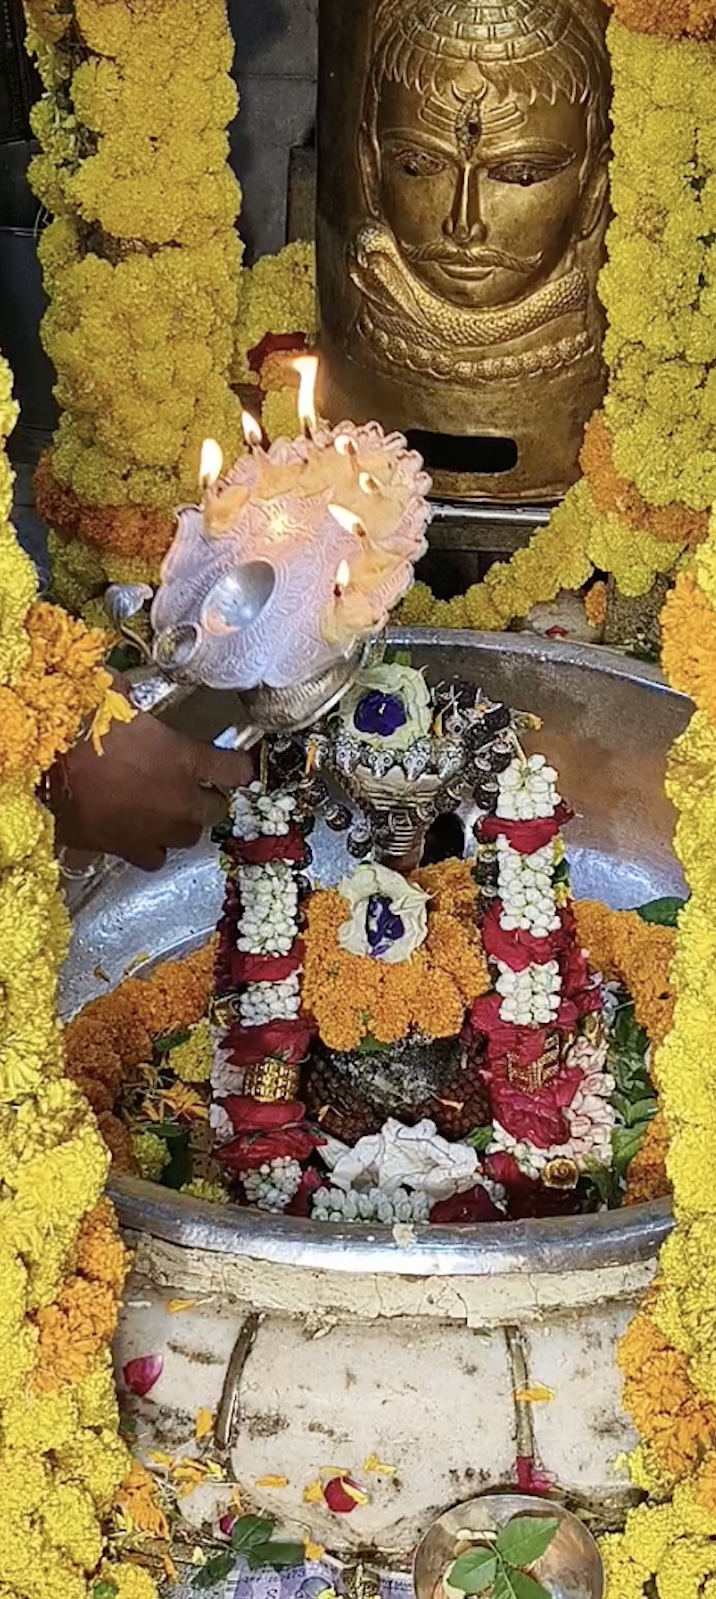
(462,206)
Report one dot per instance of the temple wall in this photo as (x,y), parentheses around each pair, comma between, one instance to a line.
(276,67)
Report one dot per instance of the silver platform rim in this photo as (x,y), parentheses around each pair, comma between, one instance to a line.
(616,1238)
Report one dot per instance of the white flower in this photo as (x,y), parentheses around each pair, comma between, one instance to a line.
(220,1123)
(532,997)
(526,887)
(268,1002)
(255,814)
(269,917)
(373,1205)
(529,1158)
(408,1157)
(225,1077)
(273,1185)
(404,690)
(389,917)
(527,790)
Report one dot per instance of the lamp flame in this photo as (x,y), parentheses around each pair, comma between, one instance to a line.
(346,520)
(343,577)
(210,464)
(251,429)
(307,368)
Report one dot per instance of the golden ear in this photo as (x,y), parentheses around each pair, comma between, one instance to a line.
(595,198)
(370,169)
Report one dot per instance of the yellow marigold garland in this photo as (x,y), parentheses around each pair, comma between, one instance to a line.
(668,1353)
(278,296)
(141,263)
(61,1262)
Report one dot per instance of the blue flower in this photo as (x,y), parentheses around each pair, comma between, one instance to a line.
(380,713)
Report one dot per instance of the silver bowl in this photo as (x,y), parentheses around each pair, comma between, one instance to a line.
(571,1568)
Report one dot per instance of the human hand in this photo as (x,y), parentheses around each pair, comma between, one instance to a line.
(150,790)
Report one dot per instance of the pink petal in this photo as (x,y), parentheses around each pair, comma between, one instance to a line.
(141,1374)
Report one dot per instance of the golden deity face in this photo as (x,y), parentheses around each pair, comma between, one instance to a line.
(481,189)
(462,209)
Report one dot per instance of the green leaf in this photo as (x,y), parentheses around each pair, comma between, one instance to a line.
(527,1587)
(643,1110)
(215,1571)
(626,1143)
(279,1556)
(395,657)
(371,1046)
(502,1588)
(481,1138)
(249,1532)
(475,1571)
(602,1177)
(662,912)
(171,1040)
(525,1538)
(104,1590)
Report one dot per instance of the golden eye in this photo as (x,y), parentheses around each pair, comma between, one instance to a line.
(525,172)
(416,163)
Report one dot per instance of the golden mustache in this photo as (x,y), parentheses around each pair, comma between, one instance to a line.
(446,253)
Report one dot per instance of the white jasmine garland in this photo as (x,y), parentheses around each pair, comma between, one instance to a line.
(529,1158)
(526,889)
(273,1185)
(255,814)
(269,918)
(527,790)
(267,1002)
(372,1205)
(530,998)
(220,1123)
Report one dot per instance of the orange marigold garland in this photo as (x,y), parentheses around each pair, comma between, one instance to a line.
(352,996)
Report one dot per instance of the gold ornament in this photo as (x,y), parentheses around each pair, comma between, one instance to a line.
(538,1073)
(272,1080)
(562,1174)
(462,210)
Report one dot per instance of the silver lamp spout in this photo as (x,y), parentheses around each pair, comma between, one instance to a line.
(167,679)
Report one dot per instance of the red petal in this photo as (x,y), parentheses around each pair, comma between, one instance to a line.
(338,1497)
(140,1375)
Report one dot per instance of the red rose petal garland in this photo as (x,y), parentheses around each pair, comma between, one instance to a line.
(549,1088)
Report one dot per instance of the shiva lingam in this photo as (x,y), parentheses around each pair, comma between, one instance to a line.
(462,207)
(292,562)
(404,755)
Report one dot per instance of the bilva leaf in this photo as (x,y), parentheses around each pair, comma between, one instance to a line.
(662,912)
(279,1556)
(481,1138)
(249,1532)
(171,1040)
(526,1587)
(525,1538)
(474,1572)
(215,1571)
